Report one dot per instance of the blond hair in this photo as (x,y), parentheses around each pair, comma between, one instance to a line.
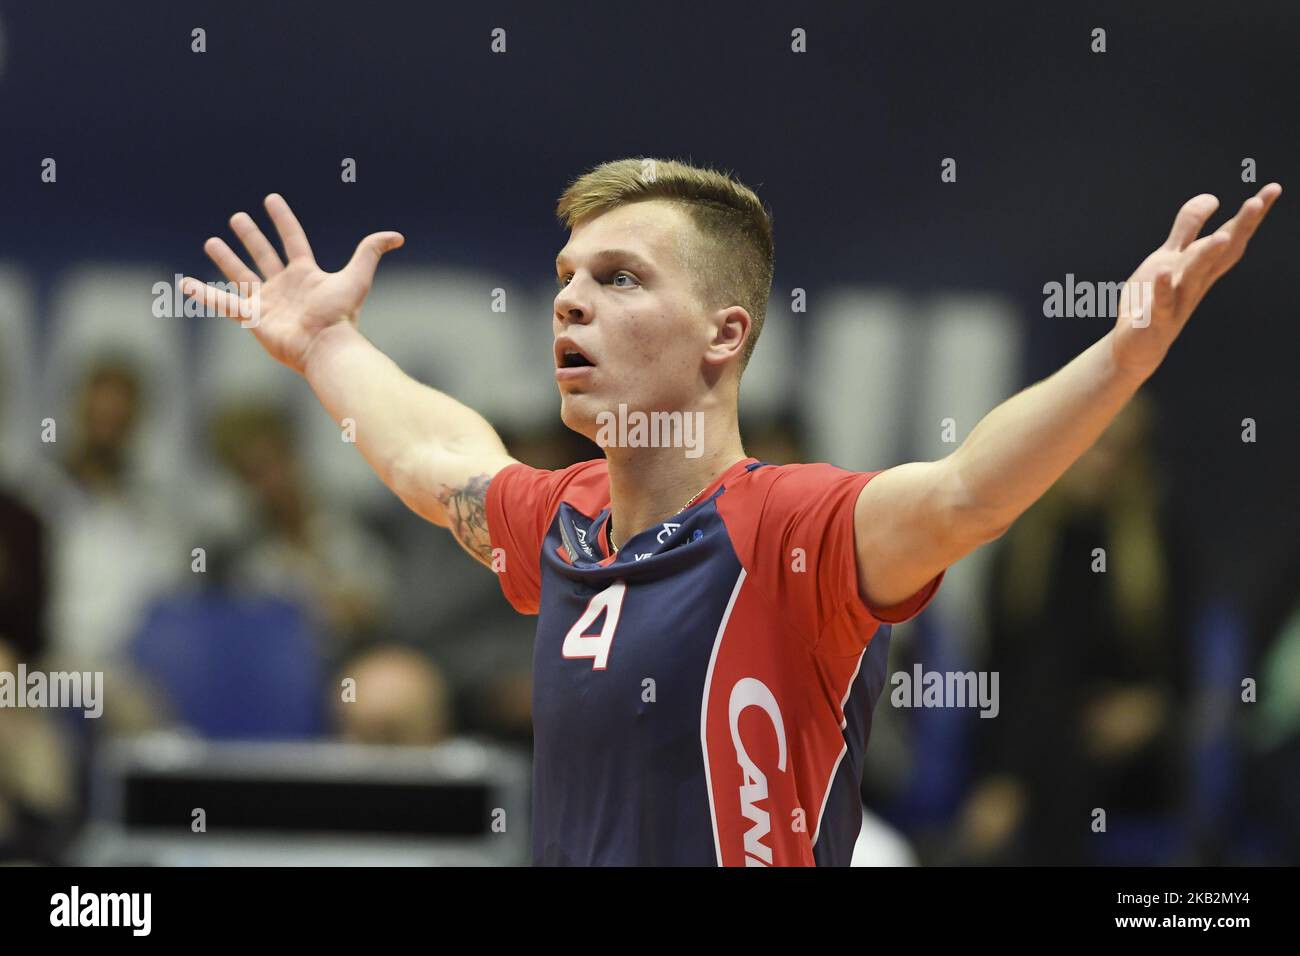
(732,265)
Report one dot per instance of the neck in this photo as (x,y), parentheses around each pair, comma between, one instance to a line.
(289,513)
(648,485)
(98,467)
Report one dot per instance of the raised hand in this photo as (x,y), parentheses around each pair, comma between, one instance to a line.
(1160,296)
(288,305)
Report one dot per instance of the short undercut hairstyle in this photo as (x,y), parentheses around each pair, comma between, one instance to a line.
(731,258)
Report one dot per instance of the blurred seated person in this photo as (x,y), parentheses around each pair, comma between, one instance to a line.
(1272,724)
(1094,666)
(294,545)
(24,578)
(35,763)
(116,541)
(396,696)
(37,785)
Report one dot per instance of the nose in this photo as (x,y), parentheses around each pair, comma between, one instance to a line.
(573,304)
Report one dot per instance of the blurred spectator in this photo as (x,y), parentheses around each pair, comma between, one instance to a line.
(36,779)
(400,699)
(35,764)
(116,542)
(294,547)
(322,557)
(1272,730)
(1094,667)
(1275,740)
(24,582)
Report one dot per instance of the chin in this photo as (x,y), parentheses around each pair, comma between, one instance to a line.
(578,412)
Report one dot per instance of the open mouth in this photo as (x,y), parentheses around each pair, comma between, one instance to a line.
(568,355)
(575,359)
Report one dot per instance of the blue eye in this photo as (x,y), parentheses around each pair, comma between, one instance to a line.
(562,281)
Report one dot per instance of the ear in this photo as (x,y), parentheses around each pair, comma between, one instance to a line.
(730,328)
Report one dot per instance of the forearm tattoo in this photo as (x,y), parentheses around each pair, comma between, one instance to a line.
(466,507)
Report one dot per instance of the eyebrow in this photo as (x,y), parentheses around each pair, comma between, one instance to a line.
(626,255)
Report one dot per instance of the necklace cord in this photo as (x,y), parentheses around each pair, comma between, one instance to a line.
(609,525)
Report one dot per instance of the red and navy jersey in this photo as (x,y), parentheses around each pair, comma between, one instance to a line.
(704,695)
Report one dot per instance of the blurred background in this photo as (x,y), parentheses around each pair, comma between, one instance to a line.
(178,513)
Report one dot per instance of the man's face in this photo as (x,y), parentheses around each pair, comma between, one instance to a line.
(266,466)
(627,304)
(108,412)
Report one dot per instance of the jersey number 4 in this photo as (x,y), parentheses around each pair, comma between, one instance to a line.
(578,644)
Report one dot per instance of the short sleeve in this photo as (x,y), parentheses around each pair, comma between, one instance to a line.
(803,552)
(521,503)
(517,499)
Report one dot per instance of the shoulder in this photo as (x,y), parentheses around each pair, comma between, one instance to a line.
(584,485)
(795,487)
(776,507)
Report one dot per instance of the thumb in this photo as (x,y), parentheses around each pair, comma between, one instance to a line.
(366,259)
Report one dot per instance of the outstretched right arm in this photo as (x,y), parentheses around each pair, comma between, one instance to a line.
(434,453)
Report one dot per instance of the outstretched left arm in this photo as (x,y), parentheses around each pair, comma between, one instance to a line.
(916,519)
